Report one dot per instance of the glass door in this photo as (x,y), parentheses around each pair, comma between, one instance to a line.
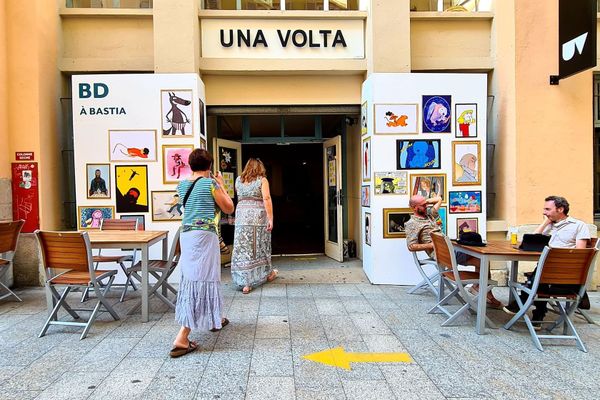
(332,179)
(228,160)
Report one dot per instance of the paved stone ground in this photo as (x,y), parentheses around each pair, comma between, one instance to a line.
(258,356)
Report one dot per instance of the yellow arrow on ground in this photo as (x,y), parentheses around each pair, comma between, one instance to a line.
(339,358)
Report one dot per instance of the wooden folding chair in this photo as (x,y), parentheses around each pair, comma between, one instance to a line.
(594,243)
(429,280)
(160,270)
(9,236)
(116,225)
(556,267)
(71,252)
(456,280)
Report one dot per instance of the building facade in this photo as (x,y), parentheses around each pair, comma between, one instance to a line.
(283,77)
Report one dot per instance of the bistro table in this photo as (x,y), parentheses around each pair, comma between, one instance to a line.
(495,250)
(134,240)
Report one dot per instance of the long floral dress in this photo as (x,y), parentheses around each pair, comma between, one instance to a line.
(251,258)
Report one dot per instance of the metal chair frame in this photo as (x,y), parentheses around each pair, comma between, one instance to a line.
(586,258)
(116,224)
(455,280)
(77,260)
(160,270)
(9,232)
(429,280)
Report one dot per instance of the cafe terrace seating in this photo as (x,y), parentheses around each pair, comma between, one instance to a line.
(68,263)
(556,267)
(9,236)
(455,280)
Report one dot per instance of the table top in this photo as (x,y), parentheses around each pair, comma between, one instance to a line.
(106,237)
(498,247)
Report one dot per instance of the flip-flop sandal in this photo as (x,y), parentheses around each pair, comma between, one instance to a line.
(182,351)
(246,290)
(272,276)
(224,323)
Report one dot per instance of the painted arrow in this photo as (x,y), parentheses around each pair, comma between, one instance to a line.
(339,358)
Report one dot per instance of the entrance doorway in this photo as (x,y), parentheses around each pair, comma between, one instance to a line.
(295,173)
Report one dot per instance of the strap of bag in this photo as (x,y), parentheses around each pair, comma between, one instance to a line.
(187,195)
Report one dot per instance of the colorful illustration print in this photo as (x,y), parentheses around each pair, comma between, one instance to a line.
(466,225)
(368,228)
(429,186)
(132,145)
(394,220)
(366,159)
(465,202)
(395,182)
(175,162)
(90,216)
(365,196)
(176,112)
(466,120)
(363,118)
(166,206)
(466,161)
(437,114)
(131,188)
(418,154)
(98,181)
(396,118)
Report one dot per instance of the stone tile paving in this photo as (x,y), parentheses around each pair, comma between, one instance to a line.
(259,355)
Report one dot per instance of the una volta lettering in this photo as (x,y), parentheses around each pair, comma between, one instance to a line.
(298,38)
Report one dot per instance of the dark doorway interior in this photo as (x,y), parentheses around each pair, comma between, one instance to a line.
(295,174)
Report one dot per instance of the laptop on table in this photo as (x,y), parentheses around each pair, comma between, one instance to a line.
(534,242)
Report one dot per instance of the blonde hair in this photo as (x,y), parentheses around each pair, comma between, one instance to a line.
(253,170)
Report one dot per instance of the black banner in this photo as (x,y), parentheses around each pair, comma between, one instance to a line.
(576,36)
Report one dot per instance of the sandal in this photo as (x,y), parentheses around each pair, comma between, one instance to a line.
(246,289)
(223,247)
(272,276)
(182,351)
(224,323)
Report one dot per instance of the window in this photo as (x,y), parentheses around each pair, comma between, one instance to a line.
(450,5)
(108,3)
(334,5)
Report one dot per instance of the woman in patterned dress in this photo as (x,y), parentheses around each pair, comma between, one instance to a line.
(199,299)
(251,259)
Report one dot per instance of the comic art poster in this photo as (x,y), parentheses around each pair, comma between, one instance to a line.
(25,195)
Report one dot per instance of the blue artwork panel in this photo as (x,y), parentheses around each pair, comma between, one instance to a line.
(465,202)
(418,154)
(437,116)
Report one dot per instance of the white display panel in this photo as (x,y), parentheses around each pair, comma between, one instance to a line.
(387,260)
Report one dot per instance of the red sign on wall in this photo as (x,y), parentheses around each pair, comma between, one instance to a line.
(24,155)
(25,195)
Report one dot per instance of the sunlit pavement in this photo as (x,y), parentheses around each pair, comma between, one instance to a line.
(260,354)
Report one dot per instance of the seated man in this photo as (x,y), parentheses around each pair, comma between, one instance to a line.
(566,232)
(424,221)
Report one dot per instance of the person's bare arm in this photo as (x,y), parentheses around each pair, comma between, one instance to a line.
(420,247)
(436,201)
(221,197)
(582,243)
(543,225)
(266,193)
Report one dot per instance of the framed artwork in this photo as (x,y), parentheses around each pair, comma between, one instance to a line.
(429,185)
(394,220)
(98,181)
(368,227)
(176,116)
(396,118)
(366,159)
(466,225)
(90,216)
(466,163)
(166,206)
(363,118)
(466,120)
(132,145)
(437,114)
(131,188)
(141,219)
(443,213)
(465,202)
(393,182)
(418,154)
(175,162)
(202,112)
(365,196)
(228,168)
(203,144)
